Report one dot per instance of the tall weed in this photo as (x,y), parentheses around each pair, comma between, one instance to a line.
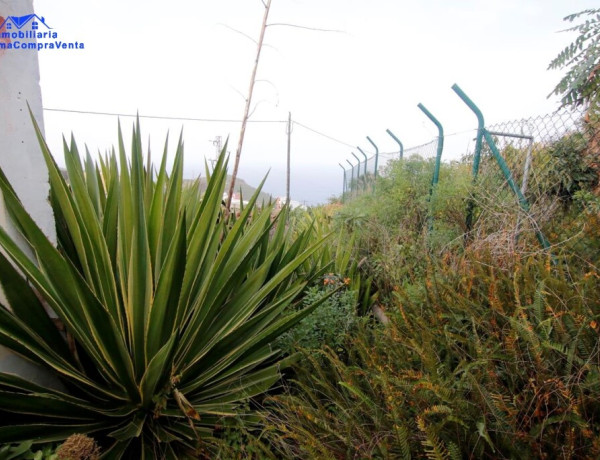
(479,363)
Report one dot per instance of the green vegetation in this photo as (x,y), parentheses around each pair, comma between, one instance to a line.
(26,451)
(330,323)
(171,315)
(492,350)
(371,329)
(581,82)
(166,307)
(479,362)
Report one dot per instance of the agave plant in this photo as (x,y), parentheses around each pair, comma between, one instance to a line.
(156,312)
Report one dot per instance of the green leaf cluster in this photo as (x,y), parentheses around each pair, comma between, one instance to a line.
(330,324)
(26,451)
(581,82)
(486,363)
(390,225)
(157,312)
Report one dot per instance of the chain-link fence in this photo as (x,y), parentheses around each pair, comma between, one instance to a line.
(528,146)
(524,172)
(547,161)
(425,151)
(358,178)
(355,178)
(527,137)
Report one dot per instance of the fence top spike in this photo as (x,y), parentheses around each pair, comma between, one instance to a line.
(434,120)
(373,144)
(470,104)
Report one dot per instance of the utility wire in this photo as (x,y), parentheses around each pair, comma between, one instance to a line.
(322,134)
(221,120)
(159,117)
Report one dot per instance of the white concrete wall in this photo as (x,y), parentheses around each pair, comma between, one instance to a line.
(20,155)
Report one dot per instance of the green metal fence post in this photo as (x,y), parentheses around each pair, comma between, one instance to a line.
(351,176)
(440,146)
(376,155)
(358,175)
(523,203)
(476,155)
(344,187)
(504,168)
(366,161)
(398,141)
(438,158)
(480,127)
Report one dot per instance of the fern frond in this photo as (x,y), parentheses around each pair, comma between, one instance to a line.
(434,447)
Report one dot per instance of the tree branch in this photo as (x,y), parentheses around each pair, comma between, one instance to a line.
(265,45)
(315,29)
(238,31)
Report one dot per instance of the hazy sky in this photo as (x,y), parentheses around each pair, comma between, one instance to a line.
(189,58)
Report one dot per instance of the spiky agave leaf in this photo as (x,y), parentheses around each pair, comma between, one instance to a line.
(169,308)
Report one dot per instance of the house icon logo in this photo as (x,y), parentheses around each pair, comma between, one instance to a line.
(19,22)
(31,32)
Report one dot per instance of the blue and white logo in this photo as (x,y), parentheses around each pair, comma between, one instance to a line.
(31,32)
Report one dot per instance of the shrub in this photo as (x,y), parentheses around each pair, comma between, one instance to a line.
(391,225)
(485,364)
(167,308)
(329,324)
(570,167)
(26,451)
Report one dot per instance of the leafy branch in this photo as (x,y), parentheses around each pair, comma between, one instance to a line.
(581,82)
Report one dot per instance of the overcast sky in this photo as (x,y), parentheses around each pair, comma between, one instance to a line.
(191,59)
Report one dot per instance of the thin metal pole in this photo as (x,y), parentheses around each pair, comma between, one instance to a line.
(517,136)
(527,158)
(344,186)
(289,143)
(358,175)
(351,176)
(376,155)
(398,141)
(366,160)
(527,167)
(522,200)
(524,182)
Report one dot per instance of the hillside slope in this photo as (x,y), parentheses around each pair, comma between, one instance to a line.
(240,184)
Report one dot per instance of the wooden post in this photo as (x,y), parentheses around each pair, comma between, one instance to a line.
(238,152)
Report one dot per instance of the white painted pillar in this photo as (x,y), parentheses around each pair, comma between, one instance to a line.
(20,155)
